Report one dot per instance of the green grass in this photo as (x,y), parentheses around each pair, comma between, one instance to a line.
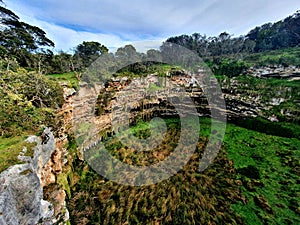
(254,180)
(70,78)
(188,197)
(285,56)
(288,56)
(277,162)
(10,149)
(161,69)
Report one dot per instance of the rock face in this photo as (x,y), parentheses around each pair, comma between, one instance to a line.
(291,72)
(54,192)
(246,100)
(21,191)
(139,98)
(149,97)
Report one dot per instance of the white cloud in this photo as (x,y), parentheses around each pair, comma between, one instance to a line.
(66,39)
(115,23)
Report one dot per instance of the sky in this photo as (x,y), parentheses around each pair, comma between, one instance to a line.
(145,23)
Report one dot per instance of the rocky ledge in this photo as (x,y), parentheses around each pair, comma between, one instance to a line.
(277,71)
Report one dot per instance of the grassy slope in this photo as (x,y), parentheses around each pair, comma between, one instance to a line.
(288,56)
(268,168)
(188,197)
(69,78)
(10,149)
(264,187)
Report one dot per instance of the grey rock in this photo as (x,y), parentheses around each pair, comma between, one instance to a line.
(21,192)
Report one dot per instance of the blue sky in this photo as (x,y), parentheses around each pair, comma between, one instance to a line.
(145,23)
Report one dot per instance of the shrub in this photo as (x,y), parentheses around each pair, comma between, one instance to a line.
(27,100)
(230,68)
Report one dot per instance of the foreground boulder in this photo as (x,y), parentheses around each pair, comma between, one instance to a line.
(21,191)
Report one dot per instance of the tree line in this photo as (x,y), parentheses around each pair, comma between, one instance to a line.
(27,46)
(270,36)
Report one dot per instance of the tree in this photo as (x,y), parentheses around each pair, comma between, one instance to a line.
(128,56)
(19,39)
(42,61)
(282,34)
(62,63)
(230,68)
(87,52)
(128,52)
(153,55)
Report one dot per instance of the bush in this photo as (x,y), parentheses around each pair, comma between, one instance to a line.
(33,87)
(230,68)
(27,101)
